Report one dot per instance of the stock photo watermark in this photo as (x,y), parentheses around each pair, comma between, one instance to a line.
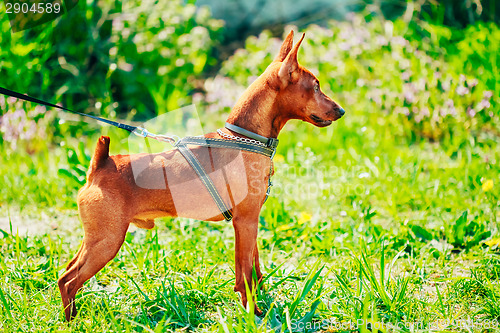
(414,326)
(308,181)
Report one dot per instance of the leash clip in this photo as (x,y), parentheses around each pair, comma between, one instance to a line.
(172,139)
(144,133)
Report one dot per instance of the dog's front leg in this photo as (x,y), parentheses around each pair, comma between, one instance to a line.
(257,266)
(245,229)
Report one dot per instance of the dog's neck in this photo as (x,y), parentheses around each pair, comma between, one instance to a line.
(258,110)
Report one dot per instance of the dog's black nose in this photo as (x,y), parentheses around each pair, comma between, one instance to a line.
(341,112)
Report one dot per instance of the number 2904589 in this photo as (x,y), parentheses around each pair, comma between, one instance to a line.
(33,8)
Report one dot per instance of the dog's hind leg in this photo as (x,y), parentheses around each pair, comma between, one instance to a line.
(72,262)
(104,235)
(94,254)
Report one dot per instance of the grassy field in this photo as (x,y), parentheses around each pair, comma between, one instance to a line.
(358,228)
(376,223)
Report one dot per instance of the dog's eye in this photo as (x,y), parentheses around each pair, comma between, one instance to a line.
(316,87)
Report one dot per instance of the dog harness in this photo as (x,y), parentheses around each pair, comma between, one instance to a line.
(256,144)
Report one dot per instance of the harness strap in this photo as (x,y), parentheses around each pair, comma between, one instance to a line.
(231,144)
(205,179)
(219,143)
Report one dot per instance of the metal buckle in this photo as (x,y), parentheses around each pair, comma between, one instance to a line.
(142,132)
(272,143)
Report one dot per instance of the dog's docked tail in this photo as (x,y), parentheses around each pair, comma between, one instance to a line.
(101,154)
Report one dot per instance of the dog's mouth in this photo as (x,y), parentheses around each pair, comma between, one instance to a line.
(320,122)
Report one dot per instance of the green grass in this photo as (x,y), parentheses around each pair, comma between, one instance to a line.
(387,242)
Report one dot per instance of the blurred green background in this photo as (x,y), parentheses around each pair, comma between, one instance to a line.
(412,167)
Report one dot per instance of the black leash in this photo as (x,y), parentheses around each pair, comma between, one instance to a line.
(11,93)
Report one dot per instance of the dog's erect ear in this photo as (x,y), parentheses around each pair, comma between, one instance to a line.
(285,47)
(290,64)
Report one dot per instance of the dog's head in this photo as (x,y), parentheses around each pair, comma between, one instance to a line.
(299,90)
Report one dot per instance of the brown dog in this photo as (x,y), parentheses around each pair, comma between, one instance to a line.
(115,195)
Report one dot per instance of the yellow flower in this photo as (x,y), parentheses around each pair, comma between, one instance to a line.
(278,158)
(492,242)
(304,217)
(488,185)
